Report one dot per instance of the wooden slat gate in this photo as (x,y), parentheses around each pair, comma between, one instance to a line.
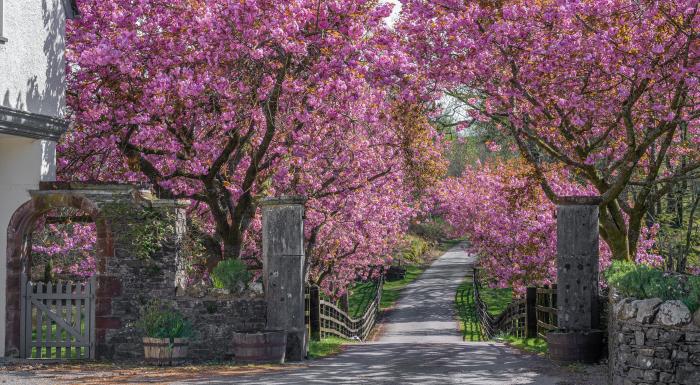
(58,320)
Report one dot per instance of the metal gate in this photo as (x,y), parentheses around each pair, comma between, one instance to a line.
(58,320)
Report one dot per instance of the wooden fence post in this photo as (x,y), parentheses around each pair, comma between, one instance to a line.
(531,312)
(315,313)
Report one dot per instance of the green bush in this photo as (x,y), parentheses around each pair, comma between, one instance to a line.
(433,229)
(642,281)
(159,321)
(415,249)
(231,274)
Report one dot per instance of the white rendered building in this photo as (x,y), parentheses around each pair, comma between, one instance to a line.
(32,106)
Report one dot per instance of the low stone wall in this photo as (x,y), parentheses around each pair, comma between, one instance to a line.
(654,342)
(214,320)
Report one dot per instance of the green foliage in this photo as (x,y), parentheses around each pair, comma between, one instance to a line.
(533,345)
(642,281)
(432,230)
(159,321)
(693,299)
(416,248)
(231,274)
(326,347)
(146,228)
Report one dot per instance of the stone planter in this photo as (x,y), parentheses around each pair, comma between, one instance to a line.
(569,347)
(268,346)
(159,351)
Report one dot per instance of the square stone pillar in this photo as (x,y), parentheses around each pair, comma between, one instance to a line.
(283,270)
(577,263)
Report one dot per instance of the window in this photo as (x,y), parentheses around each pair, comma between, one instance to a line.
(2,37)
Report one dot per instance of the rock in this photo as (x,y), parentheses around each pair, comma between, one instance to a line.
(646,309)
(673,313)
(696,318)
(625,310)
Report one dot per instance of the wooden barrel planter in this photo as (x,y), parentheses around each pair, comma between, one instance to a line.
(159,351)
(569,347)
(268,346)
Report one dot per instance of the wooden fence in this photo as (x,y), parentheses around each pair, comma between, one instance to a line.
(546,309)
(326,319)
(513,320)
(530,317)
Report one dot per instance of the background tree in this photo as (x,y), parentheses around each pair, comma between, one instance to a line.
(224,102)
(606,89)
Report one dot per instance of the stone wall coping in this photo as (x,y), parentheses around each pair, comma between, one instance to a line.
(283,200)
(181,203)
(627,311)
(580,200)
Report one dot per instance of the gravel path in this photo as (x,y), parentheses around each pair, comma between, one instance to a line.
(419,344)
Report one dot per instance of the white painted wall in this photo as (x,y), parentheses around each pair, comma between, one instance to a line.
(32,64)
(32,79)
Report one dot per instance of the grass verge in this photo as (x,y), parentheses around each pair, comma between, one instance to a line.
(326,347)
(532,345)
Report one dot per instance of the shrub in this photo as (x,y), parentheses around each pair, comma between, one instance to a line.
(159,321)
(415,249)
(231,274)
(642,281)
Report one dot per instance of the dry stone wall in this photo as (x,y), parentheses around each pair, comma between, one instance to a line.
(654,342)
(127,280)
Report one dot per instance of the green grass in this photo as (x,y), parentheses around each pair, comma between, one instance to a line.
(496,301)
(533,345)
(361,296)
(325,347)
(464,303)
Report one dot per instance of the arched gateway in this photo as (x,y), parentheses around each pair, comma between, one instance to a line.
(77,303)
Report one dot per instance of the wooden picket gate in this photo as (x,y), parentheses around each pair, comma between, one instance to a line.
(58,320)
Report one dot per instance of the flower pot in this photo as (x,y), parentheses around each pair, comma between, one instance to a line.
(161,352)
(267,346)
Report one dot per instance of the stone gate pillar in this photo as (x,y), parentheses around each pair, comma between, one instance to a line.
(283,270)
(577,339)
(577,263)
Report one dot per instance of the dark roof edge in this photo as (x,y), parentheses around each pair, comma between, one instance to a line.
(29,125)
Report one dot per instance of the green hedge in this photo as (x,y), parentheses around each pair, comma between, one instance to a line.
(642,282)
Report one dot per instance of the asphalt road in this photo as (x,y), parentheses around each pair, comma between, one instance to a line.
(419,343)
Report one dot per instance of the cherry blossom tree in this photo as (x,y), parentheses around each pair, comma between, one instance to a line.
(606,89)
(225,102)
(511,224)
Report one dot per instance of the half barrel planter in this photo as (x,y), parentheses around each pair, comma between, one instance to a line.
(570,347)
(258,347)
(159,351)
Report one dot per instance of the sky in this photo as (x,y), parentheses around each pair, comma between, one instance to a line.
(395,14)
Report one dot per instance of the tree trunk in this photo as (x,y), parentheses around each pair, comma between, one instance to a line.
(614,232)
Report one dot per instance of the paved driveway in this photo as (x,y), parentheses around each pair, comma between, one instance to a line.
(419,344)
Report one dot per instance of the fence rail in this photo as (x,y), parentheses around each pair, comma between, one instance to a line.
(326,319)
(546,310)
(513,320)
(533,316)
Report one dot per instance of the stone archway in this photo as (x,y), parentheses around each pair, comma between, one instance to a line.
(18,248)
